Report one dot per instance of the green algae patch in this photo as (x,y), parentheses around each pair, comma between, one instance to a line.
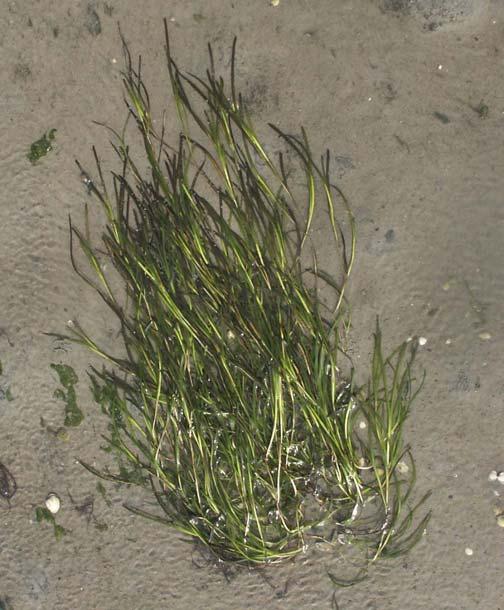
(41,147)
(112,404)
(68,378)
(44,514)
(482,110)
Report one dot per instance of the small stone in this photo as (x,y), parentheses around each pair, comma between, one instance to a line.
(448,341)
(493,476)
(53,503)
(500,520)
(422,340)
(362,425)
(485,336)
(500,477)
(275,2)
(468,551)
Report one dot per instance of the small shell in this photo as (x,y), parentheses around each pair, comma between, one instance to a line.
(468,551)
(500,477)
(422,340)
(500,520)
(53,503)
(492,476)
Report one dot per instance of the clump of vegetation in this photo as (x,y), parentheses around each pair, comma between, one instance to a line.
(41,147)
(235,401)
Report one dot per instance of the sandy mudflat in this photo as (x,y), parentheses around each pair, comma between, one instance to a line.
(411,104)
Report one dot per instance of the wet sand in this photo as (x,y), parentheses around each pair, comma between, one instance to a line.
(410,103)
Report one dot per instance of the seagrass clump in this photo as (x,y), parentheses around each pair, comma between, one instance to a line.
(235,401)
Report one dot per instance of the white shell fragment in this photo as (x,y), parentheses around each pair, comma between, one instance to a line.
(500,520)
(492,476)
(362,463)
(53,503)
(402,467)
(357,509)
(468,551)
(500,477)
(485,336)
(422,340)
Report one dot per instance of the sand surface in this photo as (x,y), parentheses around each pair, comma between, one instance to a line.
(410,103)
